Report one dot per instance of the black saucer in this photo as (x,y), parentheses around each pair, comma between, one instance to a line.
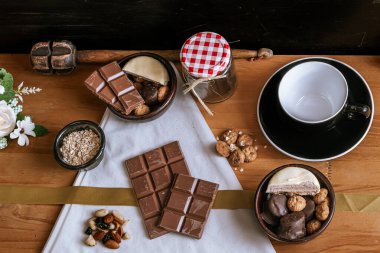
(318,145)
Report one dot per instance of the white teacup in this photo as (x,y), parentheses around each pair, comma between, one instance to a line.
(316,92)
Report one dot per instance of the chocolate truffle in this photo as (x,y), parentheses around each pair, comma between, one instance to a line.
(292,226)
(267,216)
(277,205)
(150,94)
(309,209)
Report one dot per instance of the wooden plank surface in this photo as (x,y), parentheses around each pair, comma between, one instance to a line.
(25,228)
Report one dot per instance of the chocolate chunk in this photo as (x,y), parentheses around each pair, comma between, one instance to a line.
(131,101)
(309,209)
(267,216)
(121,85)
(95,82)
(277,205)
(292,226)
(113,86)
(107,95)
(188,206)
(111,71)
(151,175)
(150,94)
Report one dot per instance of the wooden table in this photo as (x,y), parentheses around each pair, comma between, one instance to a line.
(25,228)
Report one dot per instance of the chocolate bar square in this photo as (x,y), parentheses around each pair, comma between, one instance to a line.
(121,85)
(95,82)
(111,71)
(151,175)
(107,95)
(131,100)
(188,205)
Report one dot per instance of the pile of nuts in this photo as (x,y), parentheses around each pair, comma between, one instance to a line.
(107,227)
(153,94)
(237,147)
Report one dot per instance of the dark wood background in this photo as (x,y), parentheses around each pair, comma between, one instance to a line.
(286,26)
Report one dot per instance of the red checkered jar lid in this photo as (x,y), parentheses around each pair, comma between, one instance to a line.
(205,54)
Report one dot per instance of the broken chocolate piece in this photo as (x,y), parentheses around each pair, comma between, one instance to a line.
(151,175)
(188,206)
(292,226)
(111,71)
(277,205)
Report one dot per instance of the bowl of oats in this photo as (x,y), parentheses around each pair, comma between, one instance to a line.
(80,146)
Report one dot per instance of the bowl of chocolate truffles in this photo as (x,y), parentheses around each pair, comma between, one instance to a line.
(294,203)
(139,87)
(79,146)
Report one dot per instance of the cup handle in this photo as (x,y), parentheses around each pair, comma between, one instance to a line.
(352,110)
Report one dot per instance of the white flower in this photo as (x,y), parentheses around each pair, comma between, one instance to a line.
(7,119)
(24,127)
(3,142)
(2,89)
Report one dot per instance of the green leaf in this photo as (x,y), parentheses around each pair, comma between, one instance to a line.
(2,72)
(40,130)
(20,116)
(7,82)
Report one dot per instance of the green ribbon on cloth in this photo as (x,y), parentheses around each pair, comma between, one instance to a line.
(226,199)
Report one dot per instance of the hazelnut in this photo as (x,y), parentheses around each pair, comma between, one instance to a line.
(244,140)
(142,110)
(250,154)
(326,201)
(322,212)
(222,148)
(296,203)
(108,218)
(163,93)
(320,197)
(230,136)
(237,157)
(313,226)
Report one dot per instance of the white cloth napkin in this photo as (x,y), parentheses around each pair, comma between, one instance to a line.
(225,231)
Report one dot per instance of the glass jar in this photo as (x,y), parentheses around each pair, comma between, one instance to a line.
(208,56)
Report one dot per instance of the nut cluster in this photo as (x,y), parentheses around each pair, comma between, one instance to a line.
(80,147)
(153,94)
(237,147)
(107,227)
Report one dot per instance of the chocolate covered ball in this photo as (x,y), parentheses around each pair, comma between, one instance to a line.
(309,209)
(149,94)
(292,226)
(277,205)
(267,216)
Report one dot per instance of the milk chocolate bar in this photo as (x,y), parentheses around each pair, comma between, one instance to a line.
(112,85)
(188,206)
(151,175)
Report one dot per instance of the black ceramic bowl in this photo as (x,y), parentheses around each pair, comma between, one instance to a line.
(261,195)
(76,126)
(163,106)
